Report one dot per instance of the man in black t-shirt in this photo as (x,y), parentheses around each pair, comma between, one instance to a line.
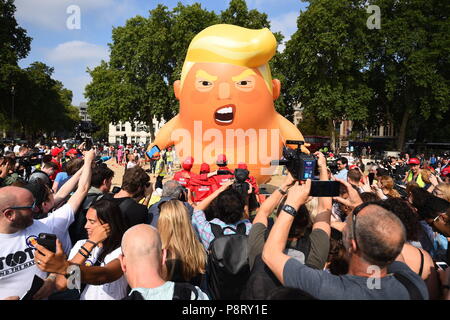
(135,185)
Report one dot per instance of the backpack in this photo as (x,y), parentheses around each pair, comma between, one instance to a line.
(181,291)
(262,281)
(228,269)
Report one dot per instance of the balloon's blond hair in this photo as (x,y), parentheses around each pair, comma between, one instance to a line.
(224,43)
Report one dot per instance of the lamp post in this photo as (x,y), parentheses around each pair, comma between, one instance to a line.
(12,110)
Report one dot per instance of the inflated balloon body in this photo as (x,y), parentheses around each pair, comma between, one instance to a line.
(226,95)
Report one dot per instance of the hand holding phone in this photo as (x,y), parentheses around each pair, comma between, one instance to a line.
(48,241)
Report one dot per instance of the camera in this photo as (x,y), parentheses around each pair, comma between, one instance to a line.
(240,184)
(301,165)
(83,132)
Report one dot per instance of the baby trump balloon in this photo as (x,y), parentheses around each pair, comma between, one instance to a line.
(226,95)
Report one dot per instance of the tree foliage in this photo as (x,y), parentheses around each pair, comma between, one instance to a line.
(146,58)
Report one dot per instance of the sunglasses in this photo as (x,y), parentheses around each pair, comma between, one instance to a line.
(33,207)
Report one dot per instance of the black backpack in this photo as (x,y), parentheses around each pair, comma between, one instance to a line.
(228,269)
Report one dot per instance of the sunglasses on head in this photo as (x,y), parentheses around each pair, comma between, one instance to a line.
(33,207)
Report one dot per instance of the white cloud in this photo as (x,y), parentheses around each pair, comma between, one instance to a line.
(285,23)
(78,51)
(52,15)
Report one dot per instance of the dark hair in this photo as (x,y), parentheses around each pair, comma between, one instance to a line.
(100,173)
(369,197)
(109,212)
(336,255)
(72,166)
(382,172)
(354,175)
(48,165)
(344,160)
(433,207)
(134,179)
(404,211)
(230,206)
(419,198)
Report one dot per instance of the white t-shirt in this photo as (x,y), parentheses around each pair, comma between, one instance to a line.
(17,266)
(59,221)
(131,164)
(115,290)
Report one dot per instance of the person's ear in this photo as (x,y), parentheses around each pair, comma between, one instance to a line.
(9,214)
(353,246)
(276,88)
(177,89)
(122,263)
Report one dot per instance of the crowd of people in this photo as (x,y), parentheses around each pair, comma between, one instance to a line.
(213,235)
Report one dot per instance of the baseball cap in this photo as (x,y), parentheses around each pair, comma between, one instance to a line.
(445,172)
(188,163)
(221,159)
(242,166)
(56,151)
(413,161)
(204,168)
(72,151)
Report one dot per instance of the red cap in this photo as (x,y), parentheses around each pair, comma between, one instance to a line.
(72,151)
(204,168)
(445,172)
(353,166)
(413,161)
(56,151)
(242,165)
(188,163)
(222,159)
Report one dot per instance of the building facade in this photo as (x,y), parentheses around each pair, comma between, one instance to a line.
(138,133)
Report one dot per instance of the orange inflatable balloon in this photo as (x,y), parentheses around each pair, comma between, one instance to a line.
(226,96)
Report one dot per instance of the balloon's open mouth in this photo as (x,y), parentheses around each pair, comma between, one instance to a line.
(225,114)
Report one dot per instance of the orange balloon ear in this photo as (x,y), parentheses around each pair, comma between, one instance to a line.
(177,89)
(276,84)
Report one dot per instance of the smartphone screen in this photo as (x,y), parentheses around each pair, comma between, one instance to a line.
(371,178)
(154,150)
(324,188)
(308,169)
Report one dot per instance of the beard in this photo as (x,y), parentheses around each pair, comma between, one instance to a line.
(22,221)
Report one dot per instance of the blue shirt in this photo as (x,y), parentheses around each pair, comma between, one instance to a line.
(62,178)
(342,175)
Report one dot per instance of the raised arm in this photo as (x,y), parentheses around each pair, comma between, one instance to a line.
(67,188)
(273,252)
(84,183)
(323,218)
(207,201)
(269,205)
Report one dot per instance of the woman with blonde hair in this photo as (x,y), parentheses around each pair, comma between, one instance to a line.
(186,257)
(386,186)
(442,190)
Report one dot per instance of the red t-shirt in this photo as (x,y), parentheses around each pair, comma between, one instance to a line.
(201,187)
(180,177)
(56,171)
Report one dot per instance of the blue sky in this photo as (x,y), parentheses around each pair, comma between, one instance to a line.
(70,52)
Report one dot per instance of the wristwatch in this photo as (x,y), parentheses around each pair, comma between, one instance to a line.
(287,208)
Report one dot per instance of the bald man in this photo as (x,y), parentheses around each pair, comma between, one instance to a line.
(142,261)
(18,234)
(373,238)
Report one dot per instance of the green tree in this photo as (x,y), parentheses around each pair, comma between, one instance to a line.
(410,66)
(14,45)
(324,61)
(146,58)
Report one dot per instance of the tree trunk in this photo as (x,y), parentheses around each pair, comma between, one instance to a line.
(333,135)
(402,132)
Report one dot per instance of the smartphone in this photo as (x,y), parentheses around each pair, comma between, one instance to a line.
(442,265)
(89,144)
(48,241)
(153,150)
(116,189)
(371,178)
(35,286)
(324,188)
